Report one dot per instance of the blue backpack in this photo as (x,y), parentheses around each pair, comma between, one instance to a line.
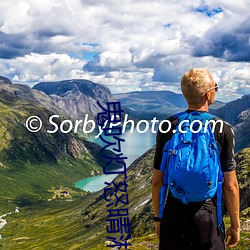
(191,162)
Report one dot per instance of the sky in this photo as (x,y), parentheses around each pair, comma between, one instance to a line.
(127,45)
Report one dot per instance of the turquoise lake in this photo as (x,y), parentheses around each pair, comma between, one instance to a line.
(134,146)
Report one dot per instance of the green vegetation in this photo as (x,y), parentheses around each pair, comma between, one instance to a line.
(38,172)
(32,163)
(244,235)
(58,225)
(243,175)
(49,225)
(32,183)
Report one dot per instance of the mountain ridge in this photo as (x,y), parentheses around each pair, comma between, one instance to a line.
(77,97)
(230,111)
(4,80)
(57,159)
(160,104)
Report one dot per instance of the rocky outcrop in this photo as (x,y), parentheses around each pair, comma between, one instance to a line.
(77,97)
(4,80)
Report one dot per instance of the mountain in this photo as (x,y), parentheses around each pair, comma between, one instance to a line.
(149,104)
(242,130)
(77,97)
(4,80)
(31,164)
(216,105)
(232,110)
(237,113)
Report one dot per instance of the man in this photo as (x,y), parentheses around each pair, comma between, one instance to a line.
(194,225)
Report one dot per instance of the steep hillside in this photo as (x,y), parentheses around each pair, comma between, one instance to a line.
(4,80)
(77,97)
(140,202)
(232,110)
(32,163)
(243,174)
(62,226)
(242,130)
(237,114)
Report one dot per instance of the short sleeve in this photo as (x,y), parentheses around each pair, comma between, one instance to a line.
(228,162)
(161,140)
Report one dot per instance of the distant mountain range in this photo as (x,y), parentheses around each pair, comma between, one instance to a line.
(151,103)
(160,104)
(79,97)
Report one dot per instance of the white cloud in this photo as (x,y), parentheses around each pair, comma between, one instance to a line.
(140,44)
(34,68)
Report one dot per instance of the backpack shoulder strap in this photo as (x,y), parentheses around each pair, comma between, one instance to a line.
(208,116)
(182,115)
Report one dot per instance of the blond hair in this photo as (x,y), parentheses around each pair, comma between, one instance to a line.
(195,83)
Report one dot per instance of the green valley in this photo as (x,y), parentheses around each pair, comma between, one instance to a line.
(38,172)
(81,222)
(32,163)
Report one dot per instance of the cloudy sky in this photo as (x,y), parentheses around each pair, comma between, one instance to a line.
(127,45)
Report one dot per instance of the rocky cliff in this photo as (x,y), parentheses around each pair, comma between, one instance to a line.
(77,97)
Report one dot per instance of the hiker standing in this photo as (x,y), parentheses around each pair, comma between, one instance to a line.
(192,169)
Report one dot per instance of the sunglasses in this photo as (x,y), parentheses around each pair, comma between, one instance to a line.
(216,87)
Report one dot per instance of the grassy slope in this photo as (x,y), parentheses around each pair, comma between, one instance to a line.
(32,163)
(81,224)
(48,226)
(57,226)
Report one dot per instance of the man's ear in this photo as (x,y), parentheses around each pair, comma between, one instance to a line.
(207,95)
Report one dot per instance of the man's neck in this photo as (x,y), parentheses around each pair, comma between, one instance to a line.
(198,107)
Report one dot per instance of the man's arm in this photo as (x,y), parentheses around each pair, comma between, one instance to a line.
(231,195)
(157,178)
(156,187)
